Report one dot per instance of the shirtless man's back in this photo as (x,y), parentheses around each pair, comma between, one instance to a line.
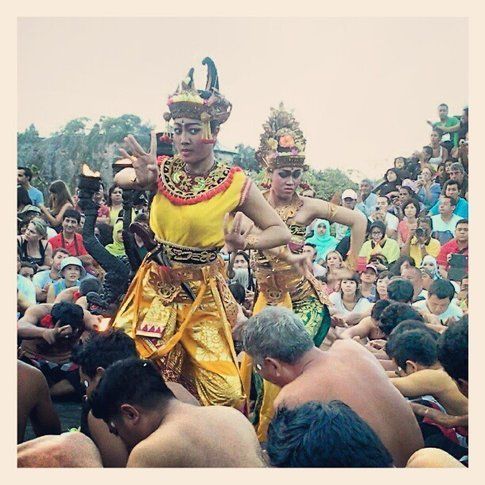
(193,436)
(350,373)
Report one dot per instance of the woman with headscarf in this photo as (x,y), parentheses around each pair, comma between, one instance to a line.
(390,185)
(117,248)
(323,241)
(430,263)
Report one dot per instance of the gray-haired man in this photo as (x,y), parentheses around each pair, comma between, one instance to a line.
(284,354)
(366,200)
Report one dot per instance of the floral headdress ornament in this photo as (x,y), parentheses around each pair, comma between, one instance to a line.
(282,143)
(206,105)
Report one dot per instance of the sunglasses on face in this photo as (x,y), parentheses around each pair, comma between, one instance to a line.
(284,174)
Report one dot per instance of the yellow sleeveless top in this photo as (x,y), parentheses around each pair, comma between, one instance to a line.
(189,210)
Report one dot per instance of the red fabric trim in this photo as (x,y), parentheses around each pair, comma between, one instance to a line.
(46,321)
(202,197)
(245,191)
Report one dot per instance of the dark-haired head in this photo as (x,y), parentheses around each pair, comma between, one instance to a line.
(453,352)
(68,314)
(396,313)
(400,290)
(329,435)
(406,326)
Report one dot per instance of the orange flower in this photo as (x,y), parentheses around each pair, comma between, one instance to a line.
(286,141)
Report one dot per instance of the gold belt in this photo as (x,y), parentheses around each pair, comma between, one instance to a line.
(185,254)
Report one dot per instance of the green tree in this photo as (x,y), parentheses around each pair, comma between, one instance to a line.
(246,158)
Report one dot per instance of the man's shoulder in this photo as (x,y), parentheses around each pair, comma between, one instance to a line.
(55,239)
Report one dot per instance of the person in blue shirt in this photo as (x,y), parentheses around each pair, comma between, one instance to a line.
(24,177)
(451,189)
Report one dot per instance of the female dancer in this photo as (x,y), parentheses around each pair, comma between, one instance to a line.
(282,152)
(178,307)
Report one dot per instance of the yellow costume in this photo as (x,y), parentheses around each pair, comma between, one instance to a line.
(179,308)
(282,145)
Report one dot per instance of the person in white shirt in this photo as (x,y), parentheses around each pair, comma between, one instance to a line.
(444,223)
(349,200)
(440,302)
(381,214)
(318,269)
(415,276)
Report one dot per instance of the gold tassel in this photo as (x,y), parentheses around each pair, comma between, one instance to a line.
(206,128)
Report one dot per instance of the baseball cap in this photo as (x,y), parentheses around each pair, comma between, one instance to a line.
(349,194)
(72,260)
(373,267)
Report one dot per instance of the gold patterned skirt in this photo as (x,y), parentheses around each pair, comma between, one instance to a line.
(180,317)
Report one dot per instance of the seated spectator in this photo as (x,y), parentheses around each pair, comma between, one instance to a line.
(71,270)
(415,276)
(322,239)
(441,175)
(396,313)
(382,214)
(349,201)
(27,270)
(378,243)
(438,152)
(440,302)
(115,203)
(429,190)
(283,353)
(32,246)
(429,263)
(60,200)
(349,305)
(409,223)
(400,166)
(447,126)
(419,372)
(69,450)
(24,179)
(366,199)
(452,188)
(401,263)
(457,173)
(389,187)
(368,327)
(330,435)
(427,277)
(458,245)
(34,403)
(420,244)
(23,200)
(368,280)
(117,248)
(160,431)
(49,333)
(311,250)
(382,284)
(445,222)
(43,279)
(25,290)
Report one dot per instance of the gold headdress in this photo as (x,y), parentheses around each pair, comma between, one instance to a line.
(206,105)
(282,143)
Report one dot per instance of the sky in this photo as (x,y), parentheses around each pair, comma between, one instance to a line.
(361,88)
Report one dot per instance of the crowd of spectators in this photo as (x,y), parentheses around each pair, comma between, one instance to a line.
(406,306)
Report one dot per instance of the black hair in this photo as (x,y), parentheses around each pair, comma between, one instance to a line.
(314,246)
(400,290)
(378,308)
(450,182)
(426,220)
(416,346)
(414,202)
(318,434)
(23,197)
(103,349)
(26,264)
(383,274)
(442,289)
(406,326)
(444,105)
(129,381)
(238,292)
(428,150)
(68,314)
(379,225)
(90,284)
(461,221)
(396,313)
(27,172)
(395,269)
(453,349)
(72,214)
(110,191)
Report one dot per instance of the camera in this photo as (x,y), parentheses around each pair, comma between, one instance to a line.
(420,232)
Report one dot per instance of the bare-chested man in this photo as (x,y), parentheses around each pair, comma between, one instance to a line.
(93,357)
(285,355)
(161,431)
(69,450)
(34,403)
(49,333)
